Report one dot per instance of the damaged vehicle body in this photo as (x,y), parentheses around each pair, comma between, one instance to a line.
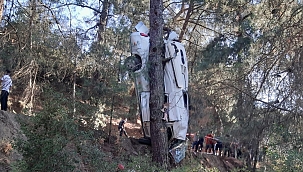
(175,86)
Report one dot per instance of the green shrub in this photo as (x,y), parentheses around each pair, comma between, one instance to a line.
(285,160)
(54,142)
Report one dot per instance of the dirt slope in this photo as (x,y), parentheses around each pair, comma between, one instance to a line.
(132,147)
(9,129)
(223,164)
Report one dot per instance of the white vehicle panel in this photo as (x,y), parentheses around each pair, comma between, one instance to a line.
(179,62)
(180,127)
(175,80)
(140,46)
(145,106)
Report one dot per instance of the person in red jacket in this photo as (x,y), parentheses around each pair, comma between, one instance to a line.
(209,142)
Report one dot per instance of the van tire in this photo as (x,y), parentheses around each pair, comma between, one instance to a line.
(133,63)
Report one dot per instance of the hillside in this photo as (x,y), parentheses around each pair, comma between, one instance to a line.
(112,148)
(9,129)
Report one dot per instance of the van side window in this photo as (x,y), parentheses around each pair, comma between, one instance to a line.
(182,57)
(185,98)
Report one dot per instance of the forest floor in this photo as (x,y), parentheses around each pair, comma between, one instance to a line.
(113,147)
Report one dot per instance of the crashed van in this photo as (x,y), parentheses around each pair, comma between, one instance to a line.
(175,86)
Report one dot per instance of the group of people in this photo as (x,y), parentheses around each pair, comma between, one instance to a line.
(212,145)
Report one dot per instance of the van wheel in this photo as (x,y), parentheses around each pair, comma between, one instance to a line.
(133,63)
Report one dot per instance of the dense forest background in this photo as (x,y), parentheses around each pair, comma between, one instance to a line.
(244,61)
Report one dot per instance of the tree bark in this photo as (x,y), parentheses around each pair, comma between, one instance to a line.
(156,76)
(103,21)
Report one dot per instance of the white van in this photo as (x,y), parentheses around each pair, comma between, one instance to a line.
(175,84)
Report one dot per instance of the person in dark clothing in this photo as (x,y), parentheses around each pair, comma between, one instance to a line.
(227,149)
(195,141)
(199,146)
(121,127)
(218,147)
(6,84)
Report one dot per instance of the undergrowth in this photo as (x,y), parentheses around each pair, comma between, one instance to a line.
(55,143)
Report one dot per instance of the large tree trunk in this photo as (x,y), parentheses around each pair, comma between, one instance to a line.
(103,21)
(156,74)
